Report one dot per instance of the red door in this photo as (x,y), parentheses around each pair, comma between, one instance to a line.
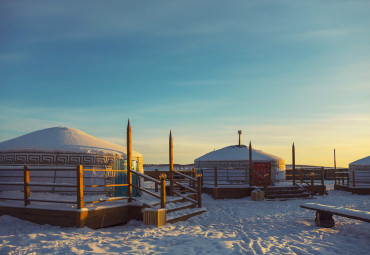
(260,169)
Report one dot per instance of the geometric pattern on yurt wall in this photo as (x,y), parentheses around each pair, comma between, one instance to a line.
(55,159)
(94,161)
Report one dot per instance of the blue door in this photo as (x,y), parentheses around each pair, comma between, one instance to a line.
(121,178)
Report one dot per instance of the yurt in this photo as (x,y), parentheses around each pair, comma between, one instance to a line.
(359,170)
(63,147)
(232,164)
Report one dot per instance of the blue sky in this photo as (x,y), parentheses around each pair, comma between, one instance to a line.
(281,71)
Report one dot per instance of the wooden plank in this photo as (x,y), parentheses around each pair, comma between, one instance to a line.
(343,212)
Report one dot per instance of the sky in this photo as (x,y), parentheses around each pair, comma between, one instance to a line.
(281,71)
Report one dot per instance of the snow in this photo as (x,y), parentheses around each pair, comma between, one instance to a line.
(361,162)
(236,153)
(230,226)
(62,139)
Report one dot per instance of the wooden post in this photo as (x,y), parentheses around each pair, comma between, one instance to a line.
(156,174)
(335,169)
(312,184)
(163,177)
(215,176)
(301,174)
(80,187)
(293,164)
(343,177)
(353,178)
(266,179)
(26,187)
(129,168)
(201,171)
(250,164)
(171,162)
(193,174)
(322,175)
(199,195)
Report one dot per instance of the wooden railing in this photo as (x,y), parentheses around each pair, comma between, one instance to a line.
(341,175)
(185,181)
(188,182)
(78,187)
(161,182)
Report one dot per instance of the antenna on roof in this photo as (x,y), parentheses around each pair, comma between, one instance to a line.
(240,134)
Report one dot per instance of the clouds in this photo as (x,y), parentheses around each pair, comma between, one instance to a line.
(279,69)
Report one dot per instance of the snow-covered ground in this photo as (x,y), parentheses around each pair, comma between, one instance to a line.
(231,226)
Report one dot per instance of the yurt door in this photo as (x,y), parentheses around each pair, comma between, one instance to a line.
(260,169)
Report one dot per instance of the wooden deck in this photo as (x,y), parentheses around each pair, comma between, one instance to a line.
(240,191)
(87,217)
(353,190)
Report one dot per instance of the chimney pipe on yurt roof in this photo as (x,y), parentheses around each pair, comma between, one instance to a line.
(240,134)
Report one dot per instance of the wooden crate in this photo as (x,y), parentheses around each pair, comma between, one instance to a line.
(154,217)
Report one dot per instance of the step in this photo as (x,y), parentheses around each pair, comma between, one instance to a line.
(285,188)
(183,214)
(180,206)
(305,194)
(277,192)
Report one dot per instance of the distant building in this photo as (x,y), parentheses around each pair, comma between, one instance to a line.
(65,147)
(360,170)
(232,163)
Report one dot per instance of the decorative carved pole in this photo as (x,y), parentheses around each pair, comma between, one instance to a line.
(171,163)
(250,164)
(293,162)
(129,175)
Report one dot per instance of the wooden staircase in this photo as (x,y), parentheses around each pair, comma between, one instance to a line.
(186,186)
(286,192)
(185,201)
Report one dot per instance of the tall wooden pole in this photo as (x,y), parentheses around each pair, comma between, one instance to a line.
(250,164)
(129,152)
(335,169)
(293,162)
(171,163)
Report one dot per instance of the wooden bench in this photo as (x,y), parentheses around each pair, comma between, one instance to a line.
(324,214)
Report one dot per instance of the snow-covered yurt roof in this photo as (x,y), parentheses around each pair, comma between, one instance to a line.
(63,139)
(237,153)
(361,162)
